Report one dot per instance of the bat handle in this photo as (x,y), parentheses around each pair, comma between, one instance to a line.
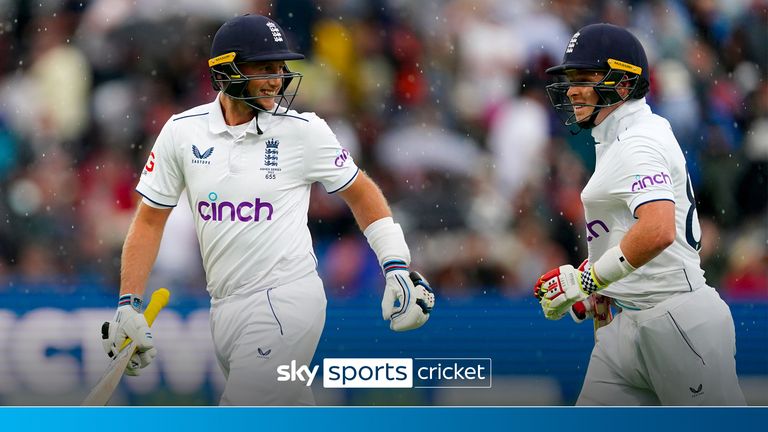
(157,302)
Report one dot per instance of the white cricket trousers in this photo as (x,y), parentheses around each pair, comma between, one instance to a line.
(255,333)
(680,352)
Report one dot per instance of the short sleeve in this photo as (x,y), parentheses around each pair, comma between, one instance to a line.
(644,174)
(162,179)
(325,160)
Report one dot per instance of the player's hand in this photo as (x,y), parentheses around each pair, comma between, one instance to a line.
(581,311)
(415,300)
(129,323)
(559,289)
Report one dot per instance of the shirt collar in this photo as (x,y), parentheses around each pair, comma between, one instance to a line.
(619,121)
(217,125)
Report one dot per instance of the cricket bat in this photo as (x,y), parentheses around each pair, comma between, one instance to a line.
(599,307)
(108,382)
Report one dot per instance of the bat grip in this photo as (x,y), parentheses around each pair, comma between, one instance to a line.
(157,302)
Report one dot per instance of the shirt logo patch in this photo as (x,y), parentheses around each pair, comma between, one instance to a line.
(271,154)
(650,180)
(341,159)
(594,234)
(246,211)
(200,158)
(150,166)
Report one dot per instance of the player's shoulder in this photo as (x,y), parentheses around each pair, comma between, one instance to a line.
(308,122)
(200,112)
(650,130)
(647,125)
(307,118)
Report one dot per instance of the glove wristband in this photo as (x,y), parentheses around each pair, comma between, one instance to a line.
(131,300)
(612,266)
(395,264)
(589,282)
(387,240)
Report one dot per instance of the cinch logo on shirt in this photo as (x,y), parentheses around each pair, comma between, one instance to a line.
(593,234)
(341,158)
(245,211)
(656,179)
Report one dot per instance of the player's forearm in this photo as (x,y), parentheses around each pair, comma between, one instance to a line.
(652,233)
(642,245)
(139,253)
(366,201)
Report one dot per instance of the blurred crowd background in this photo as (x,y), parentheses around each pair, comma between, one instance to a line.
(442,102)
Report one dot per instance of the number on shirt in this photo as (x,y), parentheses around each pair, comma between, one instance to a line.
(692,227)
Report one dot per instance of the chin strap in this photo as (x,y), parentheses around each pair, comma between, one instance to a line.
(258,128)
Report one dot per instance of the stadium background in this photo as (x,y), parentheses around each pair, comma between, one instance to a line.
(441,102)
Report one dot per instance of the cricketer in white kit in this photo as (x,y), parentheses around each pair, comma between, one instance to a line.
(673,342)
(247,163)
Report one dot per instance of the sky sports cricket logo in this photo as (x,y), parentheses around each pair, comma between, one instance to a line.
(393,373)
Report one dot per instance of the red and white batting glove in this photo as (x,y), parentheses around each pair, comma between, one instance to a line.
(584,309)
(559,289)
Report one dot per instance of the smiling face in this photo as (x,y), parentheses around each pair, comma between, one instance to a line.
(583,98)
(265,90)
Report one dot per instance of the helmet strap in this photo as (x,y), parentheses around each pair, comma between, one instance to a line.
(256,117)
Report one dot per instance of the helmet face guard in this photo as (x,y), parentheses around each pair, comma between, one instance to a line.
(607,90)
(227,78)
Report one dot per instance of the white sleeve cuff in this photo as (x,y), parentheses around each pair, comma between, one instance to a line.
(612,266)
(387,241)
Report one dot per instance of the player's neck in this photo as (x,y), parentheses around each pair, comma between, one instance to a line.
(235,112)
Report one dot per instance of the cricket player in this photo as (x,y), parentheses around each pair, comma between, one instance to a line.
(672,343)
(247,162)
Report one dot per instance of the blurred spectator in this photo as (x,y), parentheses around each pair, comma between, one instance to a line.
(424,94)
(747,275)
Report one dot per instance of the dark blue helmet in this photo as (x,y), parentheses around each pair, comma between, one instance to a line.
(607,48)
(251,38)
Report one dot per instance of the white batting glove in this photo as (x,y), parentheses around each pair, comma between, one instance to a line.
(559,289)
(129,322)
(414,296)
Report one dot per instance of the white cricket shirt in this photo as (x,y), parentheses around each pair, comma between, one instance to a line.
(639,161)
(249,194)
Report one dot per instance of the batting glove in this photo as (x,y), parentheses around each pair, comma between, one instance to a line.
(129,322)
(581,311)
(415,298)
(559,289)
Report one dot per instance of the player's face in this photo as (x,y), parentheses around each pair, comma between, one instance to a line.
(265,89)
(583,96)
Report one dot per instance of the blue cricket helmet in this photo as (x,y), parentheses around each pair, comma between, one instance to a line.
(250,38)
(608,48)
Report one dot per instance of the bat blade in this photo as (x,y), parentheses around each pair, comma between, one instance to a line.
(102,392)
